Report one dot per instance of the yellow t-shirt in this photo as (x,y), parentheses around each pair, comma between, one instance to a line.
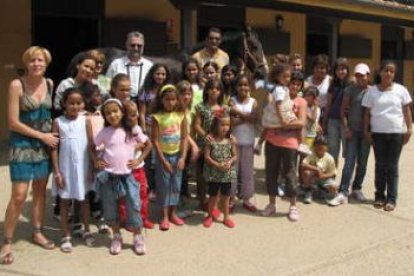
(326,164)
(169,125)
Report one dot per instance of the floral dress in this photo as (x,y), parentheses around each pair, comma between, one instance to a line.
(219,152)
(207,115)
(29,157)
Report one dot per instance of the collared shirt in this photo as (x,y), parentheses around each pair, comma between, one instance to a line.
(136,72)
(220,57)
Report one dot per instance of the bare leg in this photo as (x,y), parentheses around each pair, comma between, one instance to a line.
(226,209)
(13,211)
(38,211)
(86,214)
(164,215)
(64,216)
(212,204)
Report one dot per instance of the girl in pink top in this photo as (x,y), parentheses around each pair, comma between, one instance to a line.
(116,181)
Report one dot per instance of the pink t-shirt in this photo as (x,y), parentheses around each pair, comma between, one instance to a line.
(118,149)
(286,138)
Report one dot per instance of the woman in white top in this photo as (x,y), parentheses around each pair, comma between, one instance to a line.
(320,79)
(388,125)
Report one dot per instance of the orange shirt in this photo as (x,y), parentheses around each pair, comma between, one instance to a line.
(286,138)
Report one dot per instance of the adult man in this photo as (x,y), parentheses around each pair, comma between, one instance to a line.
(211,50)
(133,64)
(357,148)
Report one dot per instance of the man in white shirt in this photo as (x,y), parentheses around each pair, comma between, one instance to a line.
(133,64)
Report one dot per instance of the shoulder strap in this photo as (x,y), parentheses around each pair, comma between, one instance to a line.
(49,85)
(23,85)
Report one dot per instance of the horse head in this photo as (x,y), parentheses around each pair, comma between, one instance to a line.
(252,54)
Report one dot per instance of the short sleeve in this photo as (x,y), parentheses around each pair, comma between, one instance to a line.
(139,136)
(279,93)
(307,160)
(406,97)
(367,100)
(100,137)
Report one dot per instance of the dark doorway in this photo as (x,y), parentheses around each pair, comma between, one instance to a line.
(66,27)
(64,37)
(318,38)
(392,47)
(229,19)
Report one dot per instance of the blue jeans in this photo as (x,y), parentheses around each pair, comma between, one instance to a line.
(357,152)
(336,134)
(387,150)
(111,188)
(168,185)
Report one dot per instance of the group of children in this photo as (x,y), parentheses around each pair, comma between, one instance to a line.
(209,118)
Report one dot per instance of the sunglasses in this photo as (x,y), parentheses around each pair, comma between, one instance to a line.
(136,45)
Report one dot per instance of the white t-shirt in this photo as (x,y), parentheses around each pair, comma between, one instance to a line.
(244,132)
(136,72)
(281,94)
(387,108)
(323,88)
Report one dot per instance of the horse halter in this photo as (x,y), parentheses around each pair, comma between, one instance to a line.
(248,55)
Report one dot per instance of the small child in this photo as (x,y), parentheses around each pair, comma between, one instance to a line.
(185,97)
(131,111)
(279,110)
(212,106)
(312,115)
(120,87)
(169,136)
(191,72)
(318,169)
(71,164)
(157,77)
(244,111)
(95,123)
(116,181)
(219,170)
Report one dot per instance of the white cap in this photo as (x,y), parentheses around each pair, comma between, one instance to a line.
(361,68)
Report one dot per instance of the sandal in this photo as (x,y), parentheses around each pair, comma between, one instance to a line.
(164,225)
(66,244)
(48,244)
(89,239)
(389,207)
(7,258)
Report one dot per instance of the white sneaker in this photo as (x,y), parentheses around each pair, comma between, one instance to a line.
(258,149)
(269,210)
(139,245)
(358,195)
(304,149)
(307,198)
(280,190)
(338,200)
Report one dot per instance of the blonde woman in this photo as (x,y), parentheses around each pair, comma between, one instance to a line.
(29,120)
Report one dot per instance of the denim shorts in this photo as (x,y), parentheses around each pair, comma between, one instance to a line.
(111,188)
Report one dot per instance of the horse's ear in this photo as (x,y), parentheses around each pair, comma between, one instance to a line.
(248,30)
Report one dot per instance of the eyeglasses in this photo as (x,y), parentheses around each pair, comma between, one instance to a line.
(136,45)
